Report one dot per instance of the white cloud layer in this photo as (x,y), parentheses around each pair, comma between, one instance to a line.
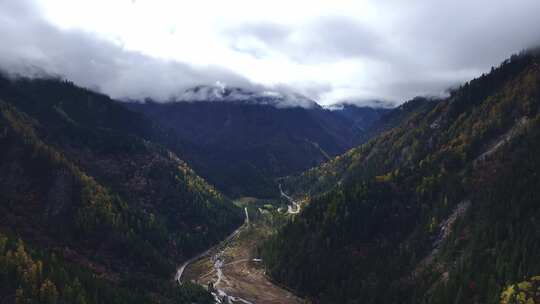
(327,50)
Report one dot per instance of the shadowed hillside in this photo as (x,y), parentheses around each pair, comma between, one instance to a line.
(83,184)
(241,146)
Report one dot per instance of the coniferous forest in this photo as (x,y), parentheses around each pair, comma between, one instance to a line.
(88,200)
(440,209)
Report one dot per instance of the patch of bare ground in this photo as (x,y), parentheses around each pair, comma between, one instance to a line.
(243,276)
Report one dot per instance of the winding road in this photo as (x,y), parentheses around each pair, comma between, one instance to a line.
(180,270)
(294,207)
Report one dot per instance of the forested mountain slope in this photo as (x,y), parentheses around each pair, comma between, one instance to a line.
(241,144)
(107,213)
(319,179)
(441,209)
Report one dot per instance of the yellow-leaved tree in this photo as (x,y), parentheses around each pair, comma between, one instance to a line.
(526,292)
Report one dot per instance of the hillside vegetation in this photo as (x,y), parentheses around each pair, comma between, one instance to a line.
(103,208)
(441,209)
(242,146)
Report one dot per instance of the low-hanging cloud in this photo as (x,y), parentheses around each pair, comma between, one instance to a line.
(32,47)
(357,50)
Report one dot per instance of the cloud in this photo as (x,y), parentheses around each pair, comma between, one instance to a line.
(32,46)
(331,51)
(404,48)
(256,39)
(323,40)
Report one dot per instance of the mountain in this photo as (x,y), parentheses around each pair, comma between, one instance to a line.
(241,140)
(361,117)
(93,207)
(369,121)
(439,209)
(318,179)
(222,93)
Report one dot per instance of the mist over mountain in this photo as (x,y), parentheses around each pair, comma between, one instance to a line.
(222,93)
(358,52)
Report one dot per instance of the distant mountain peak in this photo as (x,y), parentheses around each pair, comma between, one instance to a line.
(372,104)
(222,93)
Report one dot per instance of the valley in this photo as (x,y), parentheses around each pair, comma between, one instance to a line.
(242,145)
(233,270)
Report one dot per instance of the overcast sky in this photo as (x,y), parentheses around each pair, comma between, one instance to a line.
(330,50)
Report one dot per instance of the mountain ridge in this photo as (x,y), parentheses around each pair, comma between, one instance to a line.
(243,147)
(83,183)
(245,95)
(419,214)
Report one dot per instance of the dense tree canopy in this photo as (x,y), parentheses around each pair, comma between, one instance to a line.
(82,178)
(441,209)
